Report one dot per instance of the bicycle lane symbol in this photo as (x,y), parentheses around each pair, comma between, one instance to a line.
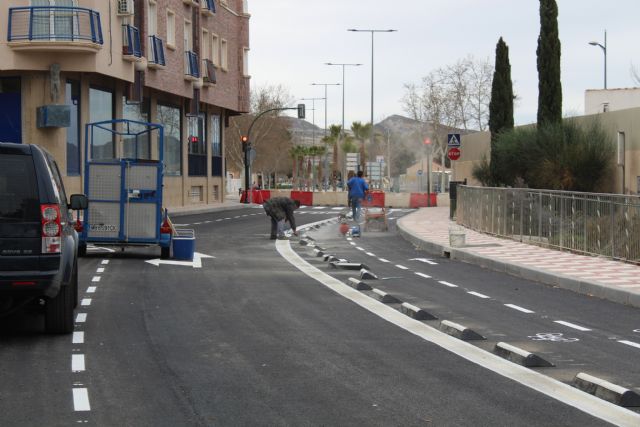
(551,336)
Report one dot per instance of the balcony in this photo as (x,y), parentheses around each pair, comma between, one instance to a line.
(156,52)
(209,72)
(191,66)
(207,7)
(131,50)
(57,28)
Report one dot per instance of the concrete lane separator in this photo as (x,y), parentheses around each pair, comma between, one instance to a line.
(384,297)
(367,275)
(358,284)
(459,331)
(605,390)
(416,312)
(539,382)
(348,265)
(520,356)
(318,252)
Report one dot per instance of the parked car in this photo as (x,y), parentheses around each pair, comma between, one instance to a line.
(38,241)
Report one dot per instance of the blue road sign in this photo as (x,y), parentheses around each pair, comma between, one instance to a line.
(453,140)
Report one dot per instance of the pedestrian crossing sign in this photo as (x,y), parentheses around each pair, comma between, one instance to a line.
(453,140)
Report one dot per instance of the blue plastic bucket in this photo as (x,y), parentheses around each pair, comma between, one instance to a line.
(184,244)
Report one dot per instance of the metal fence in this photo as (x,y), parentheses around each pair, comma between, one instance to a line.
(54,23)
(589,223)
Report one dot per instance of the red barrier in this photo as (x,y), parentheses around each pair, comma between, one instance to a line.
(305,197)
(266,195)
(420,200)
(256,197)
(374,198)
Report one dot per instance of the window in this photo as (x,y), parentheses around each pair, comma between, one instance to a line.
(206,49)
(153,18)
(171,29)
(18,191)
(10,109)
(101,106)
(215,50)
(169,117)
(245,6)
(223,55)
(188,41)
(136,147)
(245,61)
(72,99)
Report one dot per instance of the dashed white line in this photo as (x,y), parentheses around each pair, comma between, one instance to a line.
(349,239)
(517,307)
(402,267)
(77,363)
(105,261)
(197,223)
(77,337)
(95,279)
(81,399)
(100,270)
(218,220)
(352,243)
(426,276)
(631,343)
(81,317)
(451,285)
(383,260)
(91,289)
(85,301)
(359,248)
(228,218)
(478,294)
(572,325)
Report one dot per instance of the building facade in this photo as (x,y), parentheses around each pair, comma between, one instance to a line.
(180,63)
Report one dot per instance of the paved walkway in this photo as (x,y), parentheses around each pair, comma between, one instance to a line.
(428,228)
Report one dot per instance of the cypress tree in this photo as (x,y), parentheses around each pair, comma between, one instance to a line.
(549,86)
(501,104)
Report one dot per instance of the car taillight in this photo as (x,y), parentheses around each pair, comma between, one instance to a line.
(51,229)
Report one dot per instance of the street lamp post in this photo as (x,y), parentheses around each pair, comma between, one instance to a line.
(372,34)
(604,50)
(343,66)
(313,130)
(325,101)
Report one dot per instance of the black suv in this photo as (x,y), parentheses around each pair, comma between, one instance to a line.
(38,242)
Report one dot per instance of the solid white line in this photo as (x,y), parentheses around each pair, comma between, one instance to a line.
(542,383)
(370,254)
(85,301)
(91,289)
(516,307)
(631,343)
(100,270)
(383,260)
(105,261)
(402,267)
(572,325)
(95,278)
(81,399)
(451,285)
(477,294)
(426,276)
(81,317)
(77,363)
(77,338)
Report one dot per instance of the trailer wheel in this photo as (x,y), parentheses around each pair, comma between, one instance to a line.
(165,253)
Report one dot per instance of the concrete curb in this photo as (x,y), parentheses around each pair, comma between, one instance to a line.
(358,284)
(347,265)
(520,356)
(593,289)
(458,331)
(416,312)
(607,391)
(384,297)
(367,275)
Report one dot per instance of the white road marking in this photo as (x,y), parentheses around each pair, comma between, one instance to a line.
(631,343)
(522,309)
(218,220)
(370,254)
(207,222)
(105,261)
(95,279)
(81,399)
(426,276)
(352,243)
(542,383)
(402,267)
(243,216)
(100,270)
(425,260)
(77,363)
(77,338)
(349,239)
(451,285)
(228,218)
(337,209)
(359,248)
(85,301)
(197,223)
(196,263)
(81,317)
(572,325)
(91,289)
(479,295)
(383,260)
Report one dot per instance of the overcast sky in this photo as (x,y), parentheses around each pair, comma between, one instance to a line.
(292,39)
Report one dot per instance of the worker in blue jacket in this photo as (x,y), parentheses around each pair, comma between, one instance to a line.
(358,189)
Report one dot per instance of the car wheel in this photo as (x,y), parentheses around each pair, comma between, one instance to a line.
(59,310)
(165,253)
(82,249)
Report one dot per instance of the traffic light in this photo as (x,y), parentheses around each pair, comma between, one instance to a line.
(245,142)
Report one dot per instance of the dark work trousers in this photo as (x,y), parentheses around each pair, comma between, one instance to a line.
(277,228)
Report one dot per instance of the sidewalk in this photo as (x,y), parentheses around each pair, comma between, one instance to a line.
(428,228)
(231,202)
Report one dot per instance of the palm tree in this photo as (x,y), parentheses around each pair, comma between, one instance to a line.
(361,132)
(335,134)
(297,153)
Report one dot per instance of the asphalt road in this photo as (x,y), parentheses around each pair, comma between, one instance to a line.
(248,339)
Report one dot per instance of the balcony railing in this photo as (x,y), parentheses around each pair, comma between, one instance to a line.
(54,24)
(191,65)
(131,42)
(208,72)
(156,51)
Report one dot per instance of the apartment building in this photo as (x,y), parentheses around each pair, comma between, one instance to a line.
(180,63)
